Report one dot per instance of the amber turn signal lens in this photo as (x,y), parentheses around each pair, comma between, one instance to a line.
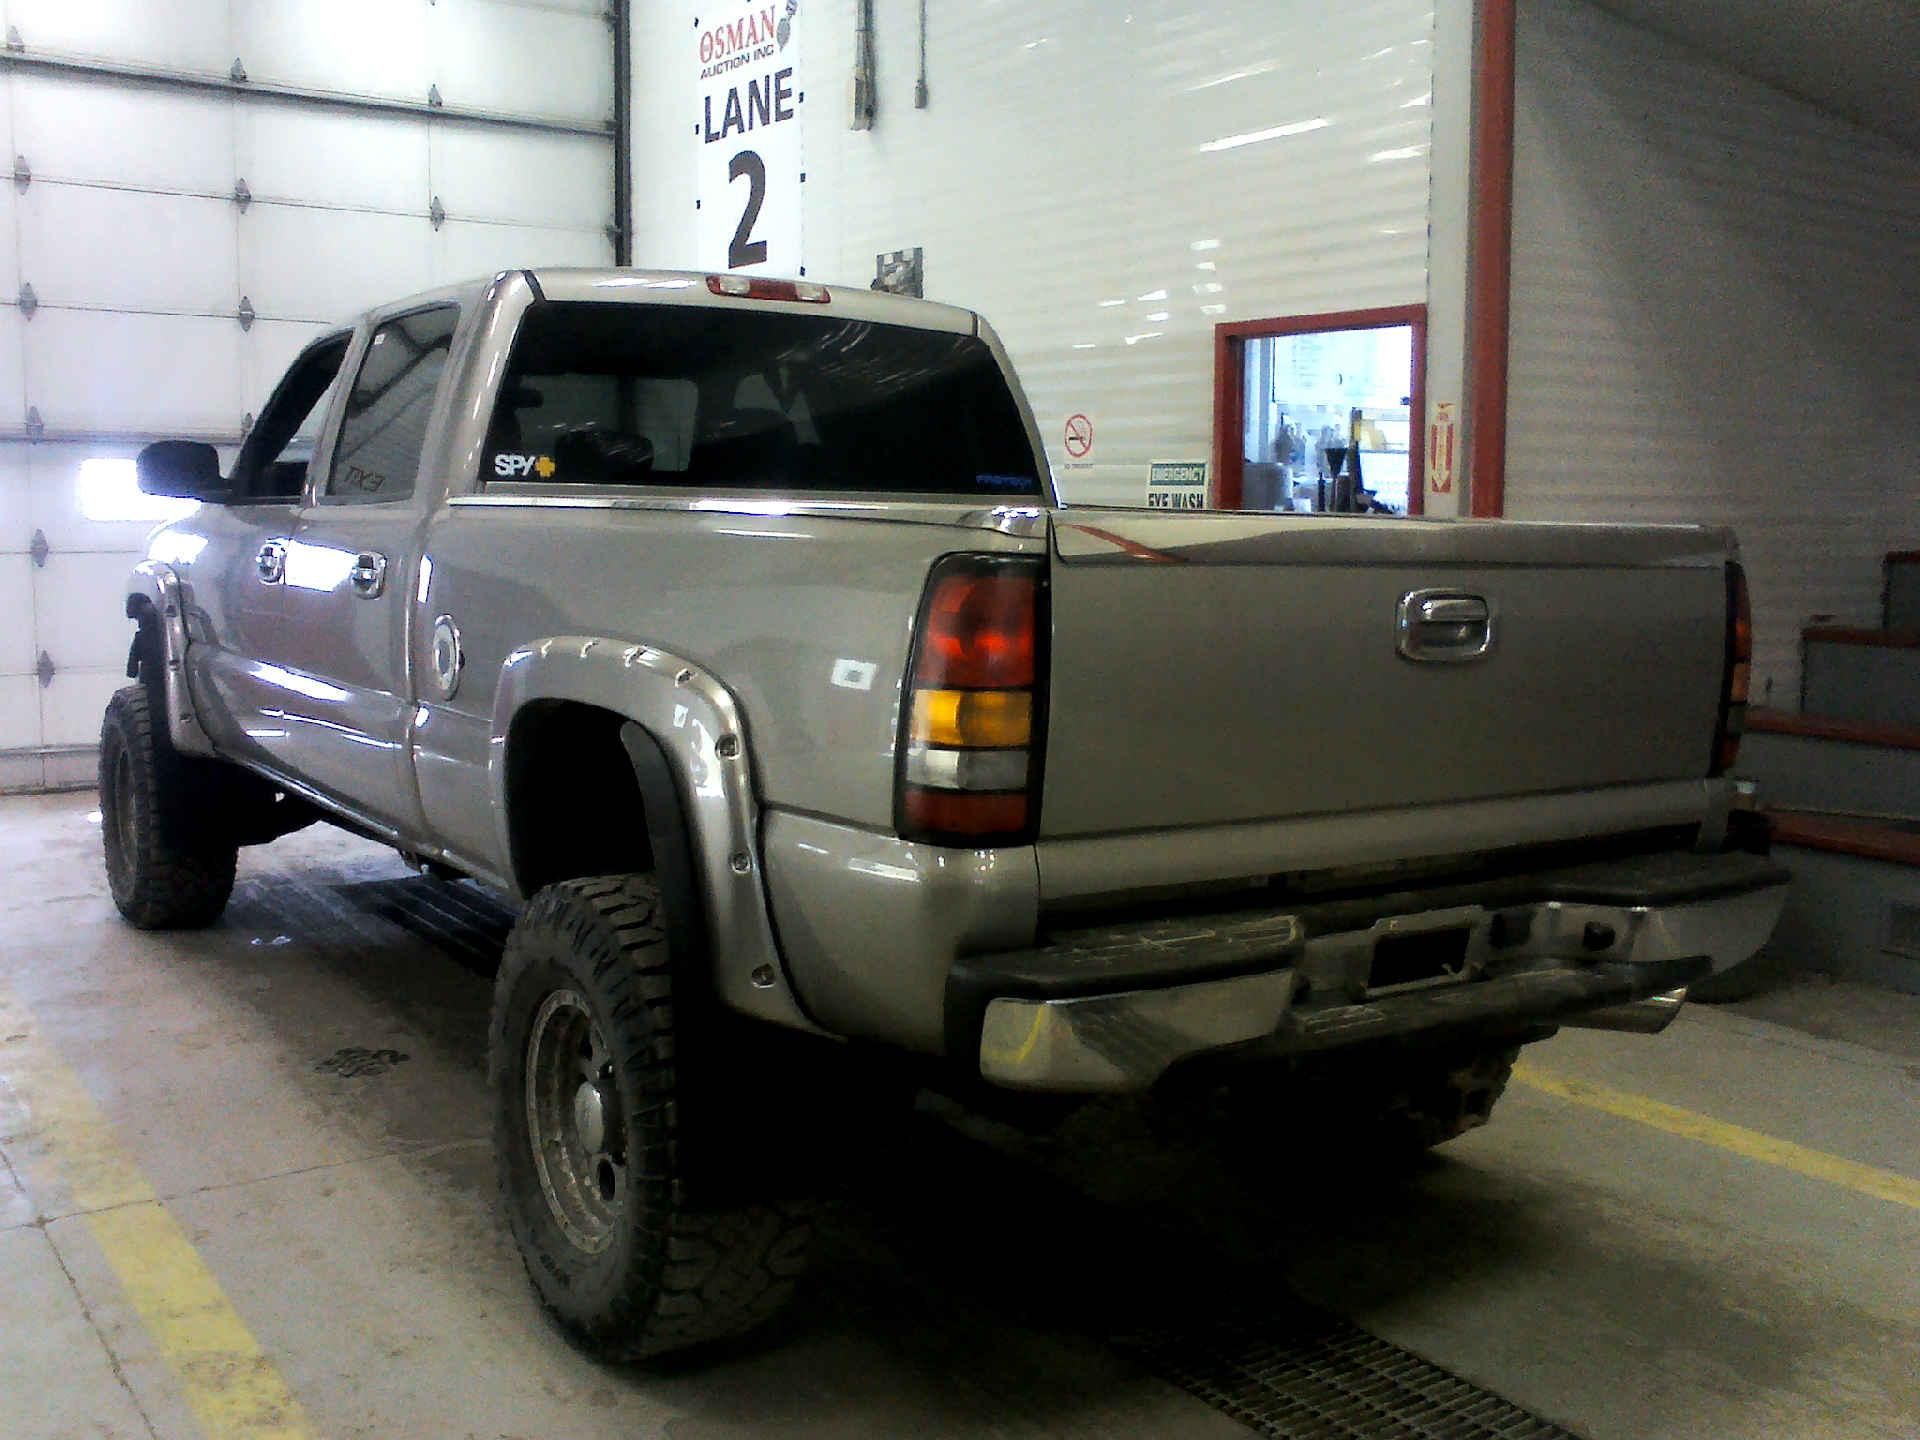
(973,719)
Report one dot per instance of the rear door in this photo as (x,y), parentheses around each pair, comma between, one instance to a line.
(350,570)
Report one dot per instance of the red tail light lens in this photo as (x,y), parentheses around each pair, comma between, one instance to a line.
(1738,675)
(971,718)
(752,287)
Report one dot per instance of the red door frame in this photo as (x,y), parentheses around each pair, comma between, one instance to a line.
(1490,266)
(1230,390)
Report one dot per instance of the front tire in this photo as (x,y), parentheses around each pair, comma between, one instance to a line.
(169,865)
(591,1053)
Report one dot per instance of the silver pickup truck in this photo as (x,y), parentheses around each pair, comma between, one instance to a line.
(735,627)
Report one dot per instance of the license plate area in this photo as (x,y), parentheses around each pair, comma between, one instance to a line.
(1420,957)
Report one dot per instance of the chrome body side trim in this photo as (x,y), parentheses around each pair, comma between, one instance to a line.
(699,726)
(159,586)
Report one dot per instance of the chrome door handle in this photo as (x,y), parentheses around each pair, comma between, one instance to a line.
(369,575)
(271,562)
(1443,626)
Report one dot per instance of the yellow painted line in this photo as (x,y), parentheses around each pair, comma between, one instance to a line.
(68,1148)
(1752,1144)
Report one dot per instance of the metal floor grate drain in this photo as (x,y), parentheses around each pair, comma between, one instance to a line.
(1295,1372)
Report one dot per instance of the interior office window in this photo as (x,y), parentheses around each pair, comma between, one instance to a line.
(378,456)
(1329,420)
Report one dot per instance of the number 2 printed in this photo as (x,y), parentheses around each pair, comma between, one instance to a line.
(745,250)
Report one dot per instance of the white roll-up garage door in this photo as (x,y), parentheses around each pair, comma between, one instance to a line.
(197,190)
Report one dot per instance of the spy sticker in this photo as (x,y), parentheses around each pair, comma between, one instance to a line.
(515,467)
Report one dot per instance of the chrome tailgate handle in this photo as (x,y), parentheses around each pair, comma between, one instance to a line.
(1444,626)
(369,575)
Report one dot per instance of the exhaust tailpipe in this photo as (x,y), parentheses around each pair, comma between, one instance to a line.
(1642,1017)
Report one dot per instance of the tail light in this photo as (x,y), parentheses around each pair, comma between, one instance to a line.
(969,757)
(1738,675)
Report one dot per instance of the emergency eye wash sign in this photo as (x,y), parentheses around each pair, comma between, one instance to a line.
(748,176)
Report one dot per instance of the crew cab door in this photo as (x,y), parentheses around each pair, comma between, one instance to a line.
(233,557)
(350,571)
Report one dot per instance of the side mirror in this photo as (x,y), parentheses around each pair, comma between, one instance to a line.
(186,469)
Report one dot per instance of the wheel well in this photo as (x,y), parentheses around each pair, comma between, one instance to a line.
(574,806)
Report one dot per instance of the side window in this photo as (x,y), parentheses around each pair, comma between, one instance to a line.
(273,461)
(385,426)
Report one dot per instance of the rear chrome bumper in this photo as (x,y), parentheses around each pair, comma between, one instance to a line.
(1114,1009)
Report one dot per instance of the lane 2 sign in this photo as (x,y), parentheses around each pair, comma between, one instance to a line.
(747,128)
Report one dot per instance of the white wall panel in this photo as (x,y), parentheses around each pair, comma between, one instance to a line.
(80,611)
(16,503)
(1105,186)
(302,263)
(355,47)
(53,484)
(180,34)
(13,379)
(1714,293)
(128,249)
(522,59)
(333,158)
(559,181)
(19,723)
(72,129)
(16,602)
(102,371)
(466,251)
(71,707)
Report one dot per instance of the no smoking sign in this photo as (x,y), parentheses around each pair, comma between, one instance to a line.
(1079,437)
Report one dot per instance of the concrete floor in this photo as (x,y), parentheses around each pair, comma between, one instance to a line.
(1618,1278)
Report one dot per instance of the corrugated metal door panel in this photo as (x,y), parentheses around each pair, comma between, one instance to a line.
(82,131)
(1103,185)
(61,513)
(555,181)
(462,250)
(267,352)
(353,47)
(333,159)
(181,34)
(128,249)
(525,59)
(299,263)
(13,383)
(1712,318)
(103,371)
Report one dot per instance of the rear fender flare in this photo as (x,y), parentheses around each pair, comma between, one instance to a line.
(685,730)
(153,589)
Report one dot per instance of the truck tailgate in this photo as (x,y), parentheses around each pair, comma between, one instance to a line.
(1218,668)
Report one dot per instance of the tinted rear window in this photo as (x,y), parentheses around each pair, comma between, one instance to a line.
(743,400)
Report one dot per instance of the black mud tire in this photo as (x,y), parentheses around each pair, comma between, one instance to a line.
(170,864)
(666,1264)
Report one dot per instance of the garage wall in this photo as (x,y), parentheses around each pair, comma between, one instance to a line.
(1714,297)
(1103,183)
(123,219)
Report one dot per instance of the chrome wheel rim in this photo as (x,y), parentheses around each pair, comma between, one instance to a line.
(574,1122)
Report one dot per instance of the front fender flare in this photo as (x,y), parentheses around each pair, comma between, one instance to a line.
(154,588)
(696,724)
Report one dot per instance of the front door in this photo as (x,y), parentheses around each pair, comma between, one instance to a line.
(234,555)
(350,572)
